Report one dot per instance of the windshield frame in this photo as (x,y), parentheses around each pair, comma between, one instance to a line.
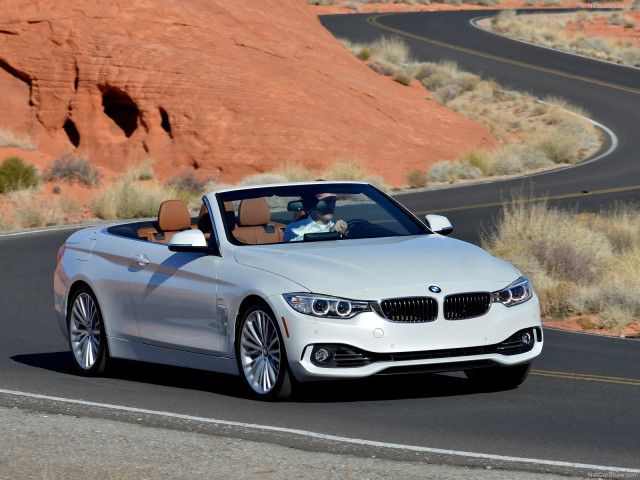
(392,207)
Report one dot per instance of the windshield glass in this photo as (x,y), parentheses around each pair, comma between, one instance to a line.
(318,212)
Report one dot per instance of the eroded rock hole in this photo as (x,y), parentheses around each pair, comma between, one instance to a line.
(121,108)
(72,132)
(166,126)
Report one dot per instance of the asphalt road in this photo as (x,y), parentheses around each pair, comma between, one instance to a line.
(579,406)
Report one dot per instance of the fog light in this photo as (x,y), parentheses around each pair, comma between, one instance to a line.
(526,338)
(322,355)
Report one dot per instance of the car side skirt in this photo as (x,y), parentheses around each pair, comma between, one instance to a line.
(119,348)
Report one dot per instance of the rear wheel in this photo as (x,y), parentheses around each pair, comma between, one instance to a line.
(261,357)
(503,378)
(87,337)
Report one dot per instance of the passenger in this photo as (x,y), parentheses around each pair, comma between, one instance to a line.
(320,220)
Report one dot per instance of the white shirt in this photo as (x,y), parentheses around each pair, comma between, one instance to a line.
(295,232)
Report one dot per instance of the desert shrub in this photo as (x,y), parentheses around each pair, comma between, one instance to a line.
(390,50)
(615,19)
(188,182)
(353,5)
(579,264)
(142,171)
(558,148)
(215,185)
(16,174)
(403,78)
(445,94)
(263,179)
(11,140)
(630,56)
(465,171)
(71,168)
(517,158)
(131,199)
(364,53)
(504,164)
(296,172)
(628,22)
(416,178)
(26,209)
(441,171)
(479,159)
(353,170)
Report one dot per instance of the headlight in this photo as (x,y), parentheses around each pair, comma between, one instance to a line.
(326,307)
(518,292)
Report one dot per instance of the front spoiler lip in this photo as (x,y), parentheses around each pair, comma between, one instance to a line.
(310,371)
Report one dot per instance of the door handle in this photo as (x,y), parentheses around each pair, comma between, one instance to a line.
(141,259)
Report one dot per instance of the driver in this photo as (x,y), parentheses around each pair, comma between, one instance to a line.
(320,220)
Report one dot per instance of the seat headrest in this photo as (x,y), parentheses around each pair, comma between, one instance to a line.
(173,215)
(253,211)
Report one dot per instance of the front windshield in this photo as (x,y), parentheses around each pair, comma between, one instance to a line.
(312,212)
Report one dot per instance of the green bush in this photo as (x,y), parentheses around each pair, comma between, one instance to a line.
(364,54)
(15,174)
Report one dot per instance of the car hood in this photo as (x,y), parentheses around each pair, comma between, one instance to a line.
(382,267)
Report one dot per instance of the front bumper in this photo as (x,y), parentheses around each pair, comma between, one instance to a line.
(369,344)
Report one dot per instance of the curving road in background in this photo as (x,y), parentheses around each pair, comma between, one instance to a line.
(610,93)
(577,411)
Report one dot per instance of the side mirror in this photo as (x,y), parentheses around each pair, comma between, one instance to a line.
(192,241)
(438,224)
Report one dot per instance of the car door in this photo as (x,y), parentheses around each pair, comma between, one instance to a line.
(174,298)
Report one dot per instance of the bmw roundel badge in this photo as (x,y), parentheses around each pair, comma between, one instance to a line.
(435,289)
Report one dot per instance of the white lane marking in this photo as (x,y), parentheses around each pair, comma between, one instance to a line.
(321,436)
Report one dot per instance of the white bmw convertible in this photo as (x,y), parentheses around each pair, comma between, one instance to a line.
(295,282)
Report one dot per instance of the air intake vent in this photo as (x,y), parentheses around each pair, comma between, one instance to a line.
(411,310)
(466,305)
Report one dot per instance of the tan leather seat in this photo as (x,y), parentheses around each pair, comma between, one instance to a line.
(254,223)
(173,217)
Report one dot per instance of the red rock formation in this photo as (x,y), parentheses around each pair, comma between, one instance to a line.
(228,87)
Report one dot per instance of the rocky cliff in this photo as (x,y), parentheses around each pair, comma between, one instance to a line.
(228,88)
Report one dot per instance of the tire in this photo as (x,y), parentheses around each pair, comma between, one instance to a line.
(87,336)
(499,378)
(261,357)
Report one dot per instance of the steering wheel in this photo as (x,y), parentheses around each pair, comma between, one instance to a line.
(359,228)
(354,225)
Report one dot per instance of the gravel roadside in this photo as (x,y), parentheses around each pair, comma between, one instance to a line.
(49,446)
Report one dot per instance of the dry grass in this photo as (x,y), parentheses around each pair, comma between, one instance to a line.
(10,139)
(535,134)
(580,264)
(353,170)
(27,209)
(549,30)
(72,168)
(142,171)
(340,170)
(133,197)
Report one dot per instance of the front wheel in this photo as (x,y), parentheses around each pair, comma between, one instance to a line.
(87,337)
(500,378)
(262,360)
